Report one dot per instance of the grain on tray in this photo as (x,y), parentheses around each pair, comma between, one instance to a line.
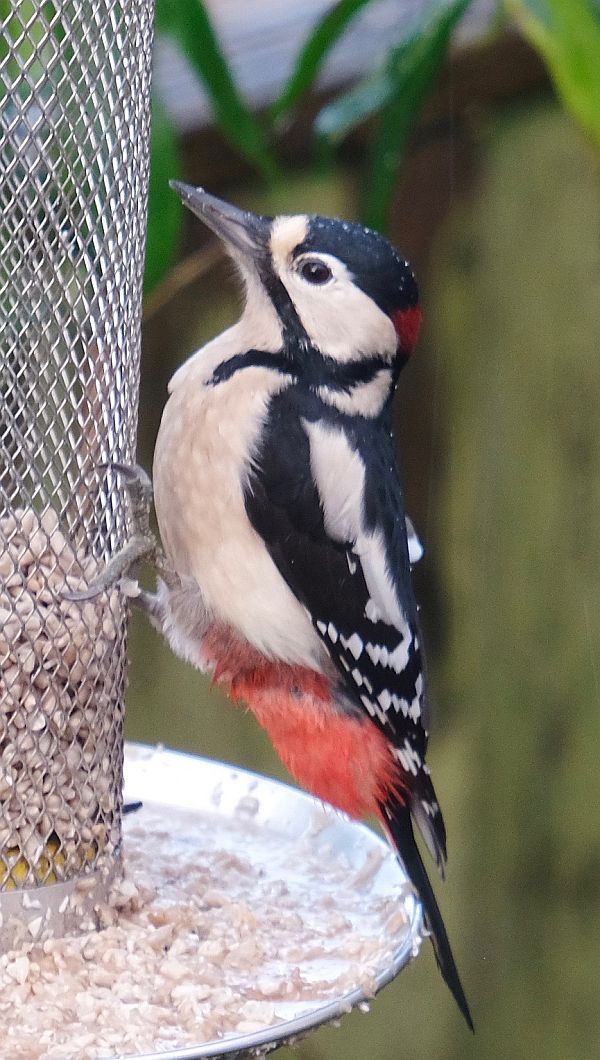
(196,949)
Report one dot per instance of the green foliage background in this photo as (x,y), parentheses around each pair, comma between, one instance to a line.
(565,32)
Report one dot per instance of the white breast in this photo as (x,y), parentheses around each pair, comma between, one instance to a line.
(201,468)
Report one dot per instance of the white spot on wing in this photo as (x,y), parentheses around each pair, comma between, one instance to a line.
(415,548)
(332,633)
(374,652)
(353,644)
(413,756)
(398,659)
(322,628)
(395,660)
(409,759)
(385,699)
(402,758)
(372,612)
(356,674)
(374,709)
(414,711)
(366,702)
(431,808)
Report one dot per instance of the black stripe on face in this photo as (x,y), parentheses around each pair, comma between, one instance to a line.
(312,368)
(294,333)
(299,358)
(250,359)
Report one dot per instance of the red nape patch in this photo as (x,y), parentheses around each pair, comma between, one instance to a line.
(407,323)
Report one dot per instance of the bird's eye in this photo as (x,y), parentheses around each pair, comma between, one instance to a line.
(315,271)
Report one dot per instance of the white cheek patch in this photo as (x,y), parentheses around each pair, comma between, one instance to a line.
(339,318)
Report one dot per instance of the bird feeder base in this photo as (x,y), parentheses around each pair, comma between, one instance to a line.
(248,915)
(55,910)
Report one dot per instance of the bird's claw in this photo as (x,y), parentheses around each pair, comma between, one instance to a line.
(138,484)
(141,546)
(118,568)
(132,473)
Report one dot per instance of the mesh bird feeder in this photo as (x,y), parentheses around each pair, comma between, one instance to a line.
(74,123)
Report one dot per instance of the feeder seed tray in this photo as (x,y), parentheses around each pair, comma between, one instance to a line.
(248,916)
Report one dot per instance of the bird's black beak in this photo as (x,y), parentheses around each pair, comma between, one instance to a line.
(246,232)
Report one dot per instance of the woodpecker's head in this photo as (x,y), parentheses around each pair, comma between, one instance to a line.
(338,289)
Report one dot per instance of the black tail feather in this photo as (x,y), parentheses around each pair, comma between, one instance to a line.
(400,827)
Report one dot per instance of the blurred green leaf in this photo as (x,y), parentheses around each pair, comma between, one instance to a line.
(165,212)
(412,68)
(30,49)
(5,38)
(314,53)
(566,33)
(188,23)
(338,118)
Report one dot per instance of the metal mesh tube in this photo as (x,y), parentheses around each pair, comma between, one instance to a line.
(74,124)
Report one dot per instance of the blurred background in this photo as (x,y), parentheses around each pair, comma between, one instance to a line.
(469,133)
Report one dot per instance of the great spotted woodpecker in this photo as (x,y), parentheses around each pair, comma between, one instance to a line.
(280,510)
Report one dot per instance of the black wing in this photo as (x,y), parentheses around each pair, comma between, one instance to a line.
(326,499)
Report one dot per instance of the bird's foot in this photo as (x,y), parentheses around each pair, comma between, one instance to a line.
(142,545)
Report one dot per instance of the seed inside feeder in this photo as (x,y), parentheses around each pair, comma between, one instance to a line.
(60,685)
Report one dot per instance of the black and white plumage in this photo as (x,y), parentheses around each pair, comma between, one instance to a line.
(284,522)
(325,497)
